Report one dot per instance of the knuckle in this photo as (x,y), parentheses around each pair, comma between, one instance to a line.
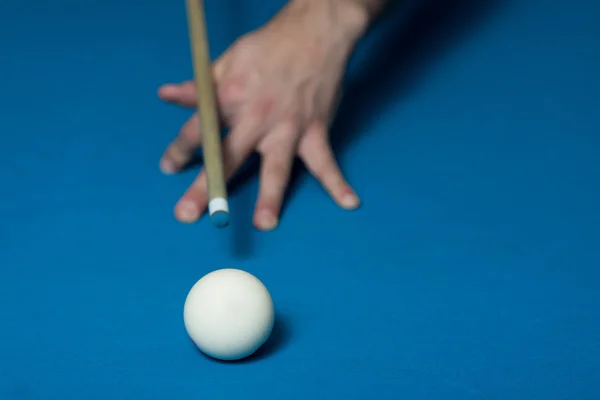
(231,90)
(266,146)
(189,137)
(265,106)
(317,129)
(291,121)
(321,170)
(278,168)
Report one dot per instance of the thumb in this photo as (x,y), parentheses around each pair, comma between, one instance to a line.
(182,94)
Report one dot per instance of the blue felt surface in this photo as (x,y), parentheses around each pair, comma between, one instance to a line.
(476,128)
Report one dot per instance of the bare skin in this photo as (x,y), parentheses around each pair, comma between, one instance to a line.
(277,90)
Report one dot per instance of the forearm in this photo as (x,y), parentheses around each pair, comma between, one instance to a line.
(372,7)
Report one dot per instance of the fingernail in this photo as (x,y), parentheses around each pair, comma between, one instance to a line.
(349,200)
(187,211)
(167,166)
(266,220)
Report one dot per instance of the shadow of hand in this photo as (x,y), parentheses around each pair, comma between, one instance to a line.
(397,52)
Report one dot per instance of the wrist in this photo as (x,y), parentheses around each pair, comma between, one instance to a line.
(346,20)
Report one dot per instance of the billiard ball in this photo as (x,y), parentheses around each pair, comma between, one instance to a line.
(229,314)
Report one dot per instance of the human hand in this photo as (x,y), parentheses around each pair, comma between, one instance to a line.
(277,90)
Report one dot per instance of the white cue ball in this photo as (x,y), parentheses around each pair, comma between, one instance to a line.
(229,314)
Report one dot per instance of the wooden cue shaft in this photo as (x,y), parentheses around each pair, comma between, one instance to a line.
(207,106)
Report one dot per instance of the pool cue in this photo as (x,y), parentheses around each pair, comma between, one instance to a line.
(218,204)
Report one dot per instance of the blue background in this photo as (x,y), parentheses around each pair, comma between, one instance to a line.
(473,126)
